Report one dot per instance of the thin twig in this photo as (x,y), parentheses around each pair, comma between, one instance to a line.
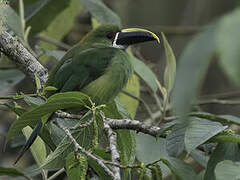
(18,96)
(54,42)
(82,150)
(224,95)
(62,114)
(56,174)
(218,101)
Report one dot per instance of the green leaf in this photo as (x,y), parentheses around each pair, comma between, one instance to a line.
(10,78)
(57,54)
(50,88)
(145,73)
(11,172)
(38,83)
(76,166)
(199,131)
(175,140)
(156,172)
(227,136)
(10,18)
(38,148)
(57,101)
(131,104)
(126,146)
(228,45)
(56,12)
(227,170)
(193,65)
(43,14)
(227,151)
(101,12)
(149,149)
(180,169)
(170,70)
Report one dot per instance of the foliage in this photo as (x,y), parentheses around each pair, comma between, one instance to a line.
(206,137)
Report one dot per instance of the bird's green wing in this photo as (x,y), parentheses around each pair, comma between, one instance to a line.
(82,68)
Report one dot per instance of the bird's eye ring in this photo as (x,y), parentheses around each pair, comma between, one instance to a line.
(110,35)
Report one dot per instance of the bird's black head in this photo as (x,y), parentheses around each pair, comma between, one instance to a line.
(112,35)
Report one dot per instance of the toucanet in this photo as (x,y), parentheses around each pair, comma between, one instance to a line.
(98,66)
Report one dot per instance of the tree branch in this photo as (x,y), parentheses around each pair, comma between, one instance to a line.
(115,157)
(133,125)
(12,48)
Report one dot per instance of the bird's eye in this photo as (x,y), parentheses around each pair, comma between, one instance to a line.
(110,35)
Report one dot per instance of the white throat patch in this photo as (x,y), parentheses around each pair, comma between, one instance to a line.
(115,45)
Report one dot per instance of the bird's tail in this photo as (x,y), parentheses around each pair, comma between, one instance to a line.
(30,140)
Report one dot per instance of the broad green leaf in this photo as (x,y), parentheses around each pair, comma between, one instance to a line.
(32,7)
(12,172)
(10,18)
(101,12)
(175,140)
(227,136)
(57,101)
(145,73)
(57,54)
(193,65)
(228,45)
(10,78)
(227,170)
(199,131)
(55,28)
(150,149)
(42,14)
(170,69)
(38,148)
(126,146)
(131,105)
(226,151)
(76,166)
(180,169)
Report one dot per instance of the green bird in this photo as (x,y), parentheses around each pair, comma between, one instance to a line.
(98,66)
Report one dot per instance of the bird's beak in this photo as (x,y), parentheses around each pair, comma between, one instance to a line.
(135,35)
